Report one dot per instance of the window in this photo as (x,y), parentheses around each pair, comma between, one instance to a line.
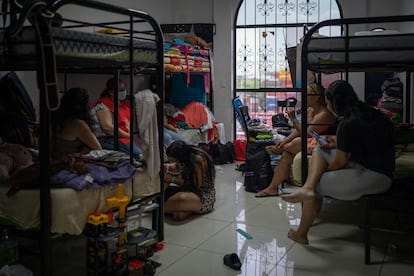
(267,33)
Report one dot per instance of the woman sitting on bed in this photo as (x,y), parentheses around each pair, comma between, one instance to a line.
(190,179)
(70,125)
(102,115)
(360,162)
(319,118)
(171,133)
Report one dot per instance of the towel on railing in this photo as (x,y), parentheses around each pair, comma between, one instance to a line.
(146,118)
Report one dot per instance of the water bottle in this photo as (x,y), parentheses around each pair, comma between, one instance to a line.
(8,249)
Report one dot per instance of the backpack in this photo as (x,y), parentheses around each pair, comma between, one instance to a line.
(393,88)
(258,171)
(17,115)
(280,120)
(222,153)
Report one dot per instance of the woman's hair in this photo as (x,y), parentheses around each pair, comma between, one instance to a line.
(74,104)
(320,91)
(343,97)
(109,86)
(346,103)
(186,155)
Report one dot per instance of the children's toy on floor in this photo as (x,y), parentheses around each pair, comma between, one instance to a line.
(107,253)
(113,249)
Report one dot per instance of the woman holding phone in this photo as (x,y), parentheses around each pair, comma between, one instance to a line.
(361,161)
(319,120)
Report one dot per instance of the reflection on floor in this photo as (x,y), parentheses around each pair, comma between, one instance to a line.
(197,246)
(336,246)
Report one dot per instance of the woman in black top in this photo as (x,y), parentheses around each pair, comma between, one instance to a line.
(361,161)
(192,172)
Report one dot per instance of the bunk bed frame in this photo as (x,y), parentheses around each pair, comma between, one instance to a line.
(47,62)
(360,53)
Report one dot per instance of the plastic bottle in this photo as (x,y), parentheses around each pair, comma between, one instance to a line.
(8,250)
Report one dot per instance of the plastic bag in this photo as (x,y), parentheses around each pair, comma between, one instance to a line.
(15,270)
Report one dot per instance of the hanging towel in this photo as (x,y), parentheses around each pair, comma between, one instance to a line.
(146,118)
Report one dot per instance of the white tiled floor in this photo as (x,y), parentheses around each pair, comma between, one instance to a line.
(197,246)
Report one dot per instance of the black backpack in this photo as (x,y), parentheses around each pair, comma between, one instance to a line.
(393,88)
(222,153)
(258,171)
(17,115)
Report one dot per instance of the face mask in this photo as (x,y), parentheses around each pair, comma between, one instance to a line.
(122,95)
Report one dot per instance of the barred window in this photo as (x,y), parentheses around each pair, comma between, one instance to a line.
(266,38)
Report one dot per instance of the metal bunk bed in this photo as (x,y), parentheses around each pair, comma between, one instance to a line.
(48,49)
(366,52)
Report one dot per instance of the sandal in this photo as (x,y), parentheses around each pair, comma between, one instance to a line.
(232,261)
(265,194)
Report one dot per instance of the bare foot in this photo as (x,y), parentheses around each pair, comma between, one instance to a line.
(180,216)
(267,193)
(294,236)
(273,150)
(299,196)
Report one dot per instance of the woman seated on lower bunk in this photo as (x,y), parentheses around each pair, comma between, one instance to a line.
(361,162)
(189,180)
(70,126)
(102,116)
(319,120)
(171,133)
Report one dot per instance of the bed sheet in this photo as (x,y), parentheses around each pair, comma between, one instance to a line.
(70,208)
(363,49)
(194,136)
(76,46)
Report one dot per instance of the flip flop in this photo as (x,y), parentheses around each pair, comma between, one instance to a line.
(264,194)
(232,261)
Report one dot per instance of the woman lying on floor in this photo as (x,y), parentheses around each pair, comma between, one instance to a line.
(361,162)
(189,180)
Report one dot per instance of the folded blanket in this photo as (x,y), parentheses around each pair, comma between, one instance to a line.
(77,176)
(96,178)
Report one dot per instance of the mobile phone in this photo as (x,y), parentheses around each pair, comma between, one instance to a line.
(321,140)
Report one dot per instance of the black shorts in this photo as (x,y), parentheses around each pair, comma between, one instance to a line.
(170,191)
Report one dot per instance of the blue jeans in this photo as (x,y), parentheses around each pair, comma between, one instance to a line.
(171,136)
(108,143)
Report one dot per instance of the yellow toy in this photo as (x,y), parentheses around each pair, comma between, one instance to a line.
(120,201)
(98,218)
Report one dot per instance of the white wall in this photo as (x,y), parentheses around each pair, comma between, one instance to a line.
(224,14)
(172,11)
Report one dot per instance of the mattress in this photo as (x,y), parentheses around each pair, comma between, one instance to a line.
(296,171)
(82,48)
(379,51)
(70,208)
(404,164)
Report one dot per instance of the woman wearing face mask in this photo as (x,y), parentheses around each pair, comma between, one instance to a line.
(102,115)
